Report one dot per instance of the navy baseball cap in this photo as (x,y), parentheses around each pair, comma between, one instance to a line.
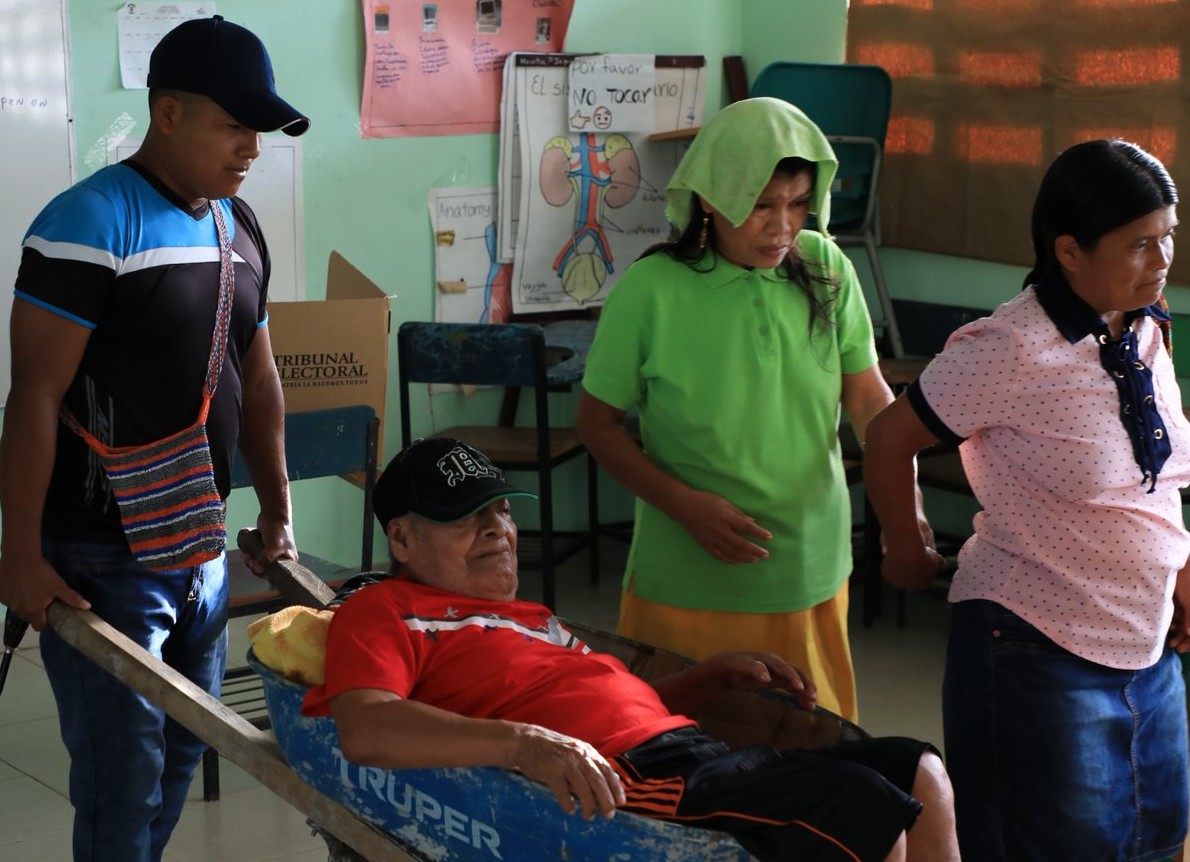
(441,479)
(229,65)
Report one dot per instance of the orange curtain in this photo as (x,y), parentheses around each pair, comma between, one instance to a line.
(987,92)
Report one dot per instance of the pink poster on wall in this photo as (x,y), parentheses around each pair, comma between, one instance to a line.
(435,68)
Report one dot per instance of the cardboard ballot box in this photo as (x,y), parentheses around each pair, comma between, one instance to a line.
(334,352)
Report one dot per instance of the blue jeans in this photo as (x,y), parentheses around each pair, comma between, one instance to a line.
(1055,757)
(130,764)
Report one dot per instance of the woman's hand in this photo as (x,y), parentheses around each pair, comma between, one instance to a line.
(913,568)
(720,528)
(923,523)
(895,436)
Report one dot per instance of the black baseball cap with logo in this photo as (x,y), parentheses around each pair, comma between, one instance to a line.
(441,479)
(228,64)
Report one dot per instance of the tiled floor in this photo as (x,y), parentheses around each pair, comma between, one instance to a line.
(898,669)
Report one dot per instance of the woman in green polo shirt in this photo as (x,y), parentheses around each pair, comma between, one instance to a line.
(737,343)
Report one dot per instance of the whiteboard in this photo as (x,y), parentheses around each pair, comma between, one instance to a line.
(273,189)
(35,133)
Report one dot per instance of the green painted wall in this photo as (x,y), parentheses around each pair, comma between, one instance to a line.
(809,31)
(368,198)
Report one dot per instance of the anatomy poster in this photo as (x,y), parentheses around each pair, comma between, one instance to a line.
(435,68)
(472,286)
(589,202)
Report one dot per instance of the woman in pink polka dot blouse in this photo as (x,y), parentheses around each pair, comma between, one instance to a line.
(1063,701)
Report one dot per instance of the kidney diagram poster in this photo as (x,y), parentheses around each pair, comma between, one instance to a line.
(579,198)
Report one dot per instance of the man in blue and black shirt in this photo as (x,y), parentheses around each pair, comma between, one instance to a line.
(115,305)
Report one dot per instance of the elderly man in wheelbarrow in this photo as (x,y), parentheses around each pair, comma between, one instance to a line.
(441,665)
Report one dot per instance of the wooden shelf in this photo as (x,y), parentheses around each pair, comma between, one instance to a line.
(674,134)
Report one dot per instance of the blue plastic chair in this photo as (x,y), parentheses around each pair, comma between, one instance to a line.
(333,441)
(850,102)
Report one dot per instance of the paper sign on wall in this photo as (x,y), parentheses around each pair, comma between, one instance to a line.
(473,285)
(612,92)
(140,26)
(434,68)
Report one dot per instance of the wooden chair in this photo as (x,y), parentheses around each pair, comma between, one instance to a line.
(514,356)
(337,441)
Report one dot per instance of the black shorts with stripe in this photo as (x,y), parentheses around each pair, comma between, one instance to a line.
(841,803)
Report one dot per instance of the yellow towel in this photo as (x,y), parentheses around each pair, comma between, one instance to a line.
(293,642)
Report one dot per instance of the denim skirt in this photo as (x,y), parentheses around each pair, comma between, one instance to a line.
(1057,758)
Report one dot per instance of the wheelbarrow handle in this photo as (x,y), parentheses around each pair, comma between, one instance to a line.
(253,750)
(296,584)
(14,631)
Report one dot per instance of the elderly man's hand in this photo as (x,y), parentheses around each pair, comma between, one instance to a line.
(758,671)
(578,775)
(688,692)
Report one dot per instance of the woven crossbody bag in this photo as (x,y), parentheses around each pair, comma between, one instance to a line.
(170,509)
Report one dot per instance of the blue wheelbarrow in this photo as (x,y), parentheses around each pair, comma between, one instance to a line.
(439,815)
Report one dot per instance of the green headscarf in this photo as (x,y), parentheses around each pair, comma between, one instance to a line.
(733,156)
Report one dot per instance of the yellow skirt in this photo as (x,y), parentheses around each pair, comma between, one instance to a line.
(814,639)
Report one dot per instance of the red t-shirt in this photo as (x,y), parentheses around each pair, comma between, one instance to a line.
(483,659)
